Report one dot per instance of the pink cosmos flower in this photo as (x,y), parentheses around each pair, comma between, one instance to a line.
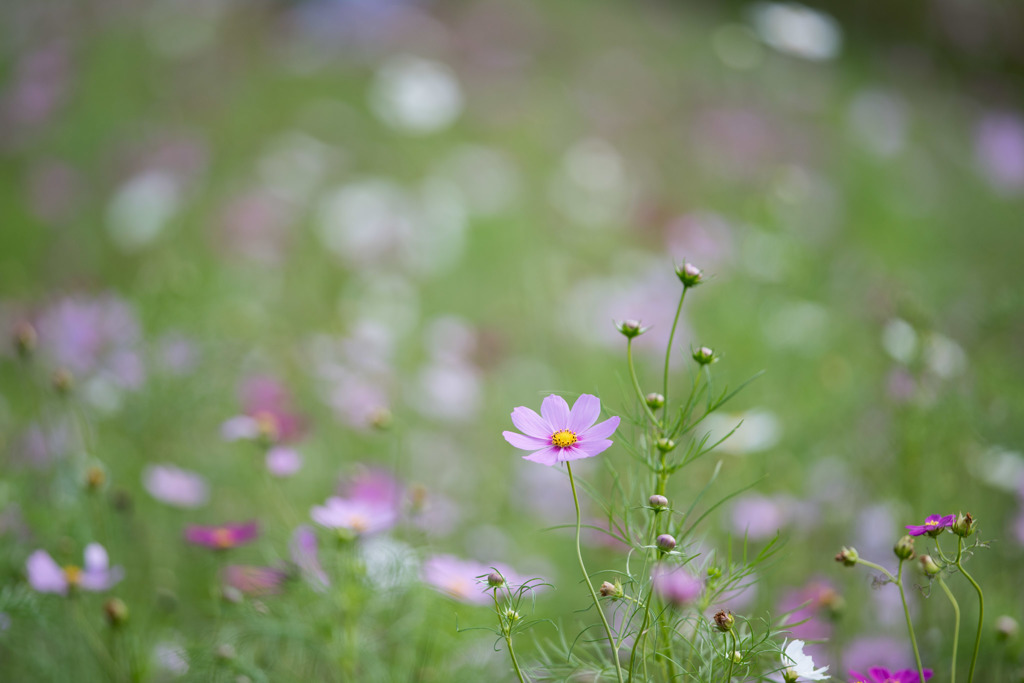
(360,516)
(676,585)
(559,434)
(175,486)
(882,675)
(464,580)
(303,549)
(46,576)
(224,536)
(932,526)
(252,580)
(283,461)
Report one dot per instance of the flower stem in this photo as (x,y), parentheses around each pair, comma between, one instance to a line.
(668,347)
(506,630)
(586,576)
(981,608)
(731,652)
(636,386)
(642,635)
(910,624)
(956,628)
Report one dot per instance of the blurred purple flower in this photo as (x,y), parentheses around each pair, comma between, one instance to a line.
(880,674)
(869,651)
(303,550)
(808,613)
(46,576)
(175,486)
(360,516)
(176,354)
(253,580)
(466,580)
(558,434)
(676,585)
(223,536)
(932,526)
(373,485)
(39,85)
(758,517)
(265,398)
(999,150)
(283,461)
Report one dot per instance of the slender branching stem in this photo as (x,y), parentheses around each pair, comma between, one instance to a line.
(668,348)
(910,624)
(636,386)
(981,608)
(642,635)
(586,577)
(505,622)
(731,652)
(956,627)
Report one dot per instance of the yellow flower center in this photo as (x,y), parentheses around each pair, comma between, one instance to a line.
(73,575)
(222,538)
(358,523)
(563,439)
(267,425)
(932,522)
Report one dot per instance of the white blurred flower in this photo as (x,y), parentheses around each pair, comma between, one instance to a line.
(416,95)
(141,209)
(797,30)
(756,430)
(879,121)
(899,340)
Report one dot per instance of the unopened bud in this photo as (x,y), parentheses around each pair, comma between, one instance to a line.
(665,542)
(25,338)
(724,620)
(95,477)
(1006,628)
(904,548)
(690,275)
(964,524)
(62,381)
(654,400)
(928,565)
(705,356)
(226,652)
(381,418)
(494,580)
(630,328)
(611,590)
(116,611)
(658,502)
(848,556)
(665,445)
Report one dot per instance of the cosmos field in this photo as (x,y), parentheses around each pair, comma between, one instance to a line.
(288,290)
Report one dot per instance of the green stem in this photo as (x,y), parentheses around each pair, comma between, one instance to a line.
(642,635)
(910,624)
(507,632)
(981,609)
(668,348)
(586,576)
(956,627)
(731,637)
(636,386)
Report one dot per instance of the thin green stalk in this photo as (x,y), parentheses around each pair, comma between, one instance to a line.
(910,624)
(956,628)
(586,576)
(731,637)
(636,386)
(642,635)
(506,631)
(981,608)
(668,349)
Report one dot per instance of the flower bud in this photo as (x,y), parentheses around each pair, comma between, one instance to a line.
(512,616)
(848,556)
(665,445)
(226,652)
(611,590)
(689,274)
(705,356)
(62,381)
(928,565)
(630,328)
(654,400)
(1006,628)
(25,338)
(116,611)
(737,657)
(494,580)
(964,524)
(658,502)
(724,620)
(904,548)
(95,477)
(381,419)
(665,542)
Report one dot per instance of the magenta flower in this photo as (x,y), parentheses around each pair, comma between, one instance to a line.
(882,675)
(559,434)
(932,526)
(224,536)
(46,576)
(360,516)
(675,585)
(252,580)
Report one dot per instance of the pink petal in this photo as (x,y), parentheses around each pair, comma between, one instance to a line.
(101,580)
(548,456)
(44,575)
(96,558)
(584,413)
(531,424)
(592,448)
(601,430)
(556,411)
(527,443)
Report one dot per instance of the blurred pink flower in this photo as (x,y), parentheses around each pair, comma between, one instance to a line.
(676,585)
(303,550)
(265,398)
(175,486)
(46,576)
(223,536)
(808,613)
(999,150)
(283,461)
(465,580)
(360,516)
(253,580)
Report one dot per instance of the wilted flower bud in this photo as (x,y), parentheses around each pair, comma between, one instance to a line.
(95,477)
(848,556)
(494,580)
(62,381)
(25,338)
(689,274)
(904,548)
(964,524)
(665,542)
(658,502)
(928,565)
(654,400)
(704,356)
(630,328)
(116,611)
(665,445)
(1006,628)
(611,590)
(724,620)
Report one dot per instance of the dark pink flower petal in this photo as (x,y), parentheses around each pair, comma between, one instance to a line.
(555,410)
(531,424)
(584,413)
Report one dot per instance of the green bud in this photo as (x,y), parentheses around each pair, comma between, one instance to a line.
(848,556)
(705,356)
(630,328)
(964,525)
(690,275)
(928,565)
(904,548)
(654,400)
